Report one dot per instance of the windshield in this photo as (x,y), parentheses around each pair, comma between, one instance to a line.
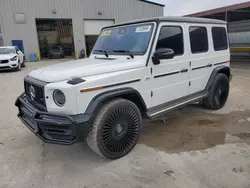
(7,51)
(133,39)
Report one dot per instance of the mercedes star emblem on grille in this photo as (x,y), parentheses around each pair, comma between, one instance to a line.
(32,92)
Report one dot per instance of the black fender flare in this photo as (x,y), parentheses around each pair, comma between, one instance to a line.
(221,69)
(99,99)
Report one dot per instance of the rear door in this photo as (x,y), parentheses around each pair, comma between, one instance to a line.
(200,56)
(170,77)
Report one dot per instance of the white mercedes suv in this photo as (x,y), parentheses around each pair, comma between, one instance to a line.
(139,69)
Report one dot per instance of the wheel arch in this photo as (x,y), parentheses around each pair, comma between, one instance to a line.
(125,93)
(221,69)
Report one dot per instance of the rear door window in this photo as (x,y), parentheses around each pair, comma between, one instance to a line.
(219,38)
(198,39)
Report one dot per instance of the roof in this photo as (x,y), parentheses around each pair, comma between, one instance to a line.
(153,3)
(173,19)
(222,9)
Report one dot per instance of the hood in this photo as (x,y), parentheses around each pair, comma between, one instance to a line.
(6,56)
(82,68)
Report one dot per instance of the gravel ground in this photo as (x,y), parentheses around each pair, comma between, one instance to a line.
(192,147)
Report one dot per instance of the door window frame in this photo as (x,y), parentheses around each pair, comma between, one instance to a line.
(182,33)
(157,34)
(208,46)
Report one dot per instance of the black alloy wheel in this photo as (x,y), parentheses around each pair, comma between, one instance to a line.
(116,129)
(218,93)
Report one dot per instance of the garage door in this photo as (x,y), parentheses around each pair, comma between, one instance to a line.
(93,27)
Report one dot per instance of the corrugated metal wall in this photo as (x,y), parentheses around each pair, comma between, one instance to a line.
(240,38)
(240,26)
(239,33)
(77,10)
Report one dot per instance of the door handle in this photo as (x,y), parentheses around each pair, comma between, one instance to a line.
(209,65)
(184,70)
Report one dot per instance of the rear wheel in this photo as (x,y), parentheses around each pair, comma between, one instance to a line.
(116,129)
(218,93)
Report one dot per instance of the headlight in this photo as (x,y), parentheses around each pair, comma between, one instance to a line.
(14,58)
(59,98)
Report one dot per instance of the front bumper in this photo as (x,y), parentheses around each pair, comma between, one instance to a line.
(9,66)
(52,127)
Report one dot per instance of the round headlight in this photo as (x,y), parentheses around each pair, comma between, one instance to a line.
(59,98)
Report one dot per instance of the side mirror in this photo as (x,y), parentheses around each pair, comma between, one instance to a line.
(18,52)
(162,53)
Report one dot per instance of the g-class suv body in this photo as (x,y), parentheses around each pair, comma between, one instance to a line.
(137,69)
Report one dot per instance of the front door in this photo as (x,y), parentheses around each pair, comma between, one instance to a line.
(171,76)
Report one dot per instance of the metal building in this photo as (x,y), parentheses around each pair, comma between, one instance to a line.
(35,24)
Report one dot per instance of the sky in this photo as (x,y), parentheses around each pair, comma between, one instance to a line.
(184,7)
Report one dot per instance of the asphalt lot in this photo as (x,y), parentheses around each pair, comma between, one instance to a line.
(191,147)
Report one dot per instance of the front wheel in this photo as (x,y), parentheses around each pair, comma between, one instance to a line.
(23,63)
(19,66)
(218,93)
(116,129)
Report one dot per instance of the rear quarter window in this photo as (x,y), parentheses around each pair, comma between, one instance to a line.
(219,38)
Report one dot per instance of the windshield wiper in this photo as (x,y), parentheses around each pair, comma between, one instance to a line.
(104,51)
(125,51)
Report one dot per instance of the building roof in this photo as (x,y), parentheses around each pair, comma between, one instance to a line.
(222,9)
(173,19)
(153,3)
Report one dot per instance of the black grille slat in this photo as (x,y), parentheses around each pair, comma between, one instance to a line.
(4,61)
(58,132)
(63,137)
(39,98)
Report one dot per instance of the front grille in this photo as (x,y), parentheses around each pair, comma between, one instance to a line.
(4,61)
(39,100)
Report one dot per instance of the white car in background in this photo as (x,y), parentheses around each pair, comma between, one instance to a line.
(11,58)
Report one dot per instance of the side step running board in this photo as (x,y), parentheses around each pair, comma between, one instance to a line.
(176,104)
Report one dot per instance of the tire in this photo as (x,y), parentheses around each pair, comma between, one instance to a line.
(218,93)
(23,64)
(116,129)
(19,67)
